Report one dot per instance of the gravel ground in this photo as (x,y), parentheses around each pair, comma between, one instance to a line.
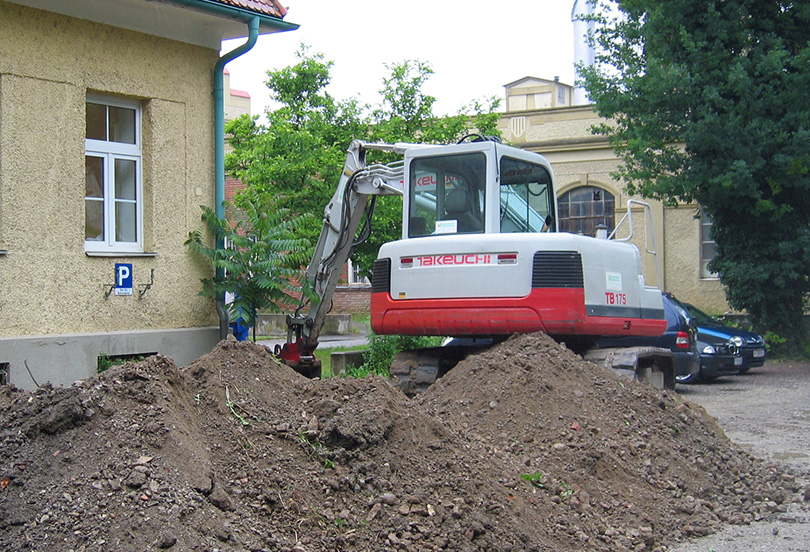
(766,411)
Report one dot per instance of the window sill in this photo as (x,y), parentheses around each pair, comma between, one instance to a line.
(119,254)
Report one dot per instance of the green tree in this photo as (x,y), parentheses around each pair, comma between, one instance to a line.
(708,102)
(299,153)
(261,259)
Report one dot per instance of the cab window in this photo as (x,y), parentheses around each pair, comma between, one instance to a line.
(526,197)
(447,194)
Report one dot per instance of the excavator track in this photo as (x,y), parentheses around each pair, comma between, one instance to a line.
(652,365)
(415,370)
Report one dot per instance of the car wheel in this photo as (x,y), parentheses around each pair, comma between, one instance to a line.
(691,378)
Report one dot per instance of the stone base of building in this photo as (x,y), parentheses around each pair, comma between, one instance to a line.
(65,358)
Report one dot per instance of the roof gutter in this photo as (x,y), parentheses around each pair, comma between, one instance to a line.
(219,152)
(234,12)
(219,113)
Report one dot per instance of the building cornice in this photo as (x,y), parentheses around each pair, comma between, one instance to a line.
(200,22)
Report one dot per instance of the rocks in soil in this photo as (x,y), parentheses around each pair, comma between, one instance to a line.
(522,447)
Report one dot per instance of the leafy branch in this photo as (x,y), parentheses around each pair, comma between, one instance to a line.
(261,258)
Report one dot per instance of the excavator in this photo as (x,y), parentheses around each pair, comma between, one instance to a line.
(481,258)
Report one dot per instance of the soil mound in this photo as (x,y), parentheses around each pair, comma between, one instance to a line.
(522,447)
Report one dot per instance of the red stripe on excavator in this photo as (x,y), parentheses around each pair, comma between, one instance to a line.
(555,311)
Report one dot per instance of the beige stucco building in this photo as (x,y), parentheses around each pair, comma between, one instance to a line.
(540,117)
(108,148)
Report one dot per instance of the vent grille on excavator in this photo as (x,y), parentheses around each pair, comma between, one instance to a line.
(381,276)
(557,269)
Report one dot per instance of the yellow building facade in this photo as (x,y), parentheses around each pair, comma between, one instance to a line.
(107,151)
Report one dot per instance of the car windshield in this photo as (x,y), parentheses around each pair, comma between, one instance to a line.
(685,310)
(700,316)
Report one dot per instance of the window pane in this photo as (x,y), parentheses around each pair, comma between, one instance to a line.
(125,221)
(94,177)
(113,210)
(122,125)
(94,219)
(446,194)
(584,208)
(96,121)
(525,196)
(705,231)
(125,179)
(94,198)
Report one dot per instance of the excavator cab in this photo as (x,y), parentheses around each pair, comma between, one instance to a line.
(487,189)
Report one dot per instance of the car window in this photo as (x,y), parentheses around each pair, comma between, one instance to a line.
(672,316)
(682,311)
(701,317)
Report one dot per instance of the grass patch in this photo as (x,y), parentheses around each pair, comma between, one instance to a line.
(325,356)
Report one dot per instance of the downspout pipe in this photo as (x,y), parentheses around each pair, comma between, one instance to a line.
(219,150)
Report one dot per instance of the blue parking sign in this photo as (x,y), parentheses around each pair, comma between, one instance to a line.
(123,279)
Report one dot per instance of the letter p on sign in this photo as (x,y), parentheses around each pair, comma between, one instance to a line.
(123,279)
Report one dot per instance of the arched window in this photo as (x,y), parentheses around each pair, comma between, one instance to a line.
(584,208)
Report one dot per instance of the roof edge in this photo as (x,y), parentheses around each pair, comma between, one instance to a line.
(241,14)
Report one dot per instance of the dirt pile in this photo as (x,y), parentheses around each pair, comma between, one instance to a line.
(523,447)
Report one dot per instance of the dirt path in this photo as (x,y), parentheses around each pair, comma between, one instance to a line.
(767,412)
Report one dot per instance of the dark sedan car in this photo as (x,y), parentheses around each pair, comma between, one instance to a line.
(725,349)
(680,337)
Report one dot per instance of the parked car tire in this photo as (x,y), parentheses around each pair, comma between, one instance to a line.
(689,378)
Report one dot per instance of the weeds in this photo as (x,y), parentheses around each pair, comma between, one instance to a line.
(537,479)
(774,340)
(316,450)
(230,404)
(383,348)
(565,490)
(105,361)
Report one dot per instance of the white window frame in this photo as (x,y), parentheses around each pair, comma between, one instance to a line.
(110,151)
(705,240)
(354,277)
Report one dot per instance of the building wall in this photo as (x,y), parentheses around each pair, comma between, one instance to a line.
(49,288)
(580,158)
(683,247)
(237,102)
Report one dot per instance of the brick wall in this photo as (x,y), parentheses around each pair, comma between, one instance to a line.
(350,300)
(231,186)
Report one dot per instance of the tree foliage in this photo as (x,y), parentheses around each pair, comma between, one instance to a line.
(294,154)
(300,151)
(261,259)
(708,102)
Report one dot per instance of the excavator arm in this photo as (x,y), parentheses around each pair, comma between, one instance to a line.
(351,205)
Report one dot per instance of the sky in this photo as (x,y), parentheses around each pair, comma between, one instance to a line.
(474,47)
